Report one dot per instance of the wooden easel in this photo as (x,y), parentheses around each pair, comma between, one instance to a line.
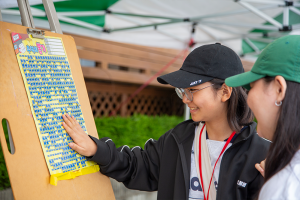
(27,169)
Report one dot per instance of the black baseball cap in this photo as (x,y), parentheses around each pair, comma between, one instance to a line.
(204,64)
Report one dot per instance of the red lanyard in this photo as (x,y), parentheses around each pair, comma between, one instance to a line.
(200,166)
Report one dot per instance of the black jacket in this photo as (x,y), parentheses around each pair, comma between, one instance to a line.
(165,164)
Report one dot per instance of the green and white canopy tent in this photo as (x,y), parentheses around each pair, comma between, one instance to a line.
(246,26)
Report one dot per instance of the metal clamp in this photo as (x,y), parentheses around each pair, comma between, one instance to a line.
(36,33)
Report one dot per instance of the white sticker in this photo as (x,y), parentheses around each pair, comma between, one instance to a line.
(241,183)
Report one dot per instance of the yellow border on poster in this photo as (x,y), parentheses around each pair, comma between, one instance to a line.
(73,174)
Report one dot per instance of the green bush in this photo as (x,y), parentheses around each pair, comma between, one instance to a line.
(135,130)
(4,180)
(132,131)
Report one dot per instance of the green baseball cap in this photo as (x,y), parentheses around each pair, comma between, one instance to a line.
(281,57)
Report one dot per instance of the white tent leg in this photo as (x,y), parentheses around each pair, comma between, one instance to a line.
(52,17)
(0,15)
(26,16)
(186,112)
(286,16)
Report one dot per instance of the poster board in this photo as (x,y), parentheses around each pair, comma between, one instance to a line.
(27,168)
(51,92)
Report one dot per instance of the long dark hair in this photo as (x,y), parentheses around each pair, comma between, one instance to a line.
(238,112)
(286,139)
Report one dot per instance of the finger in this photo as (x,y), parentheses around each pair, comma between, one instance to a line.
(67,121)
(78,126)
(77,148)
(70,119)
(262,164)
(75,120)
(69,130)
(260,169)
(76,123)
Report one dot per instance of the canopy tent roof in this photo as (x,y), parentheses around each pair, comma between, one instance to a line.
(246,26)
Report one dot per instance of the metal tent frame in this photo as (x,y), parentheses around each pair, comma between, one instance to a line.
(275,29)
(27,16)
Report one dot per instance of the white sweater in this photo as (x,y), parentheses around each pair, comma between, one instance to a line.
(284,185)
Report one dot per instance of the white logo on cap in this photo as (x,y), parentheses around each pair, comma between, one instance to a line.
(195,82)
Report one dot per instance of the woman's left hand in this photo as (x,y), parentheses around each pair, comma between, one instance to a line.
(261,167)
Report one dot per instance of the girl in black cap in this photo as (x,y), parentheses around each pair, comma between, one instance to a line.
(211,156)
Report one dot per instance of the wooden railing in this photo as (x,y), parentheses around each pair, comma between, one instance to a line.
(121,68)
(135,64)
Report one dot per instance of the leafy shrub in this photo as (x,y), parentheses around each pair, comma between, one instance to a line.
(135,130)
(4,180)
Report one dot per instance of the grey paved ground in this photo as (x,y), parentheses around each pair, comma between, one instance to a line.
(121,193)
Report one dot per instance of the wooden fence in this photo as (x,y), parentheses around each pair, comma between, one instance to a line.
(120,69)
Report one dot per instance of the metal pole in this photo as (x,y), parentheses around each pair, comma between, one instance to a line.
(279,3)
(263,27)
(204,29)
(170,35)
(144,26)
(81,13)
(129,19)
(186,108)
(295,10)
(252,45)
(25,12)
(29,13)
(52,16)
(146,16)
(265,40)
(296,26)
(235,12)
(80,23)
(0,15)
(219,40)
(261,14)
(186,112)
(286,16)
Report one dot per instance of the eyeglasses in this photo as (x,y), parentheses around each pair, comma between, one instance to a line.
(187,92)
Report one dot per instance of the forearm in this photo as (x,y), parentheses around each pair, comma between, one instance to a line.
(136,168)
